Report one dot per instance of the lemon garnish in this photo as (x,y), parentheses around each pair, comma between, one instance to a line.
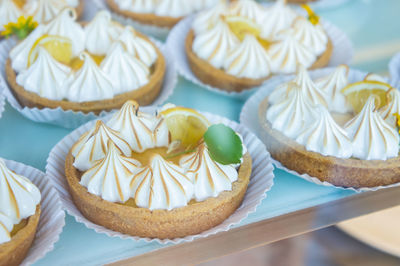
(60,48)
(185,125)
(312,16)
(358,93)
(21,28)
(76,62)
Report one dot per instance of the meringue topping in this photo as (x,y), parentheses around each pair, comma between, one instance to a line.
(141,130)
(127,72)
(110,178)
(215,44)
(248,9)
(332,86)
(372,137)
(100,33)
(210,178)
(208,18)
(18,195)
(138,47)
(310,35)
(287,52)
(310,90)
(90,83)
(9,12)
(292,115)
(325,136)
(44,77)
(138,6)
(248,60)
(173,8)
(6,226)
(162,185)
(93,146)
(393,107)
(44,10)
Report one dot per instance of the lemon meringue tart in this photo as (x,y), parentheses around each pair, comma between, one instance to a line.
(237,46)
(19,215)
(91,68)
(41,11)
(161,13)
(339,132)
(162,176)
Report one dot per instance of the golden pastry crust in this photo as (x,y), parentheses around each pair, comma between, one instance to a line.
(149,19)
(189,220)
(218,78)
(14,251)
(144,95)
(339,172)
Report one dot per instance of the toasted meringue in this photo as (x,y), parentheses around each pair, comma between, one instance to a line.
(208,18)
(44,10)
(110,178)
(210,178)
(162,185)
(325,136)
(45,76)
(215,44)
(93,146)
(138,6)
(393,107)
(126,72)
(372,137)
(173,8)
(9,12)
(332,86)
(310,35)
(248,60)
(141,130)
(90,83)
(293,114)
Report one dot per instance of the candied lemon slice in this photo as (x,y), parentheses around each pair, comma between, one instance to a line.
(185,125)
(76,63)
(59,47)
(241,26)
(358,93)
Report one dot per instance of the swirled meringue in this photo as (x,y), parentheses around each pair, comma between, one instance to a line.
(208,18)
(44,10)
(110,178)
(126,72)
(18,195)
(215,44)
(393,107)
(6,226)
(20,53)
(307,86)
(64,25)
(100,33)
(141,130)
(210,178)
(138,47)
(310,35)
(93,146)
(9,12)
(287,52)
(293,114)
(45,76)
(138,6)
(249,9)
(372,137)
(162,185)
(173,8)
(90,83)
(277,17)
(248,60)
(325,136)
(332,86)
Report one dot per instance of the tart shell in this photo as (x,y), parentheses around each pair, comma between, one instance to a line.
(337,171)
(218,78)
(144,95)
(145,18)
(163,224)
(14,251)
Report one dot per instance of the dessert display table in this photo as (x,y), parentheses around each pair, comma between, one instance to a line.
(292,207)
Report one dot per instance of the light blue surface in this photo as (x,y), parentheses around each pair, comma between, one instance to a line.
(370,25)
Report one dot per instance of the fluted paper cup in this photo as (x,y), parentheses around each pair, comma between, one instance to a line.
(394,70)
(249,118)
(261,180)
(69,118)
(2,101)
(342,54)
(52,218)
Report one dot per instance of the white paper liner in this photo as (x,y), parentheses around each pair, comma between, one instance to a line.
(394,70)
(2,101)
(249,118)
(52,218)
(72,119)
(342,53)
(261,180)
